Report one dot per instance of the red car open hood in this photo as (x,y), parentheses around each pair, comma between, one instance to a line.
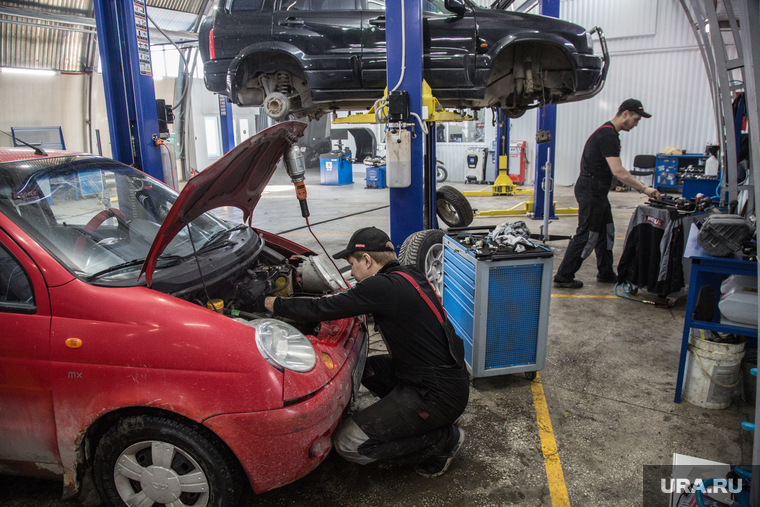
(237,179)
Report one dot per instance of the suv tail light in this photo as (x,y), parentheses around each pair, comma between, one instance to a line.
(211,50)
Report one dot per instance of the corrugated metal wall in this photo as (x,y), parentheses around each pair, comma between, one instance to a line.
(664,70)
(40,47)
(36,44)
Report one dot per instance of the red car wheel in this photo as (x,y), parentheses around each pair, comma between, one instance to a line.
(148,458)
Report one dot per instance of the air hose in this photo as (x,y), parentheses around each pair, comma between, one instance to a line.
(628,289)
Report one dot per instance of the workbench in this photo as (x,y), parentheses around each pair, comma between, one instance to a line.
(709,270)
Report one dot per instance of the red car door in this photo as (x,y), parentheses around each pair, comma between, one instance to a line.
(27,423)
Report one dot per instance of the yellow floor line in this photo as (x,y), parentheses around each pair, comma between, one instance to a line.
(556,478)
(581,296)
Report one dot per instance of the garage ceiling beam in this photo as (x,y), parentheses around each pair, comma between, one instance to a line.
(82,21)
(37,25)
(48,16)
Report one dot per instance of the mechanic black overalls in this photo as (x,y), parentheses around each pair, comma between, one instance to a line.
(422,382)
(596,230)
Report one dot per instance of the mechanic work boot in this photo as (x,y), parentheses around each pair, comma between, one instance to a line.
(608,278)
(572,284)
(437,465)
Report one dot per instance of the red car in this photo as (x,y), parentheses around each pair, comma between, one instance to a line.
(172,392)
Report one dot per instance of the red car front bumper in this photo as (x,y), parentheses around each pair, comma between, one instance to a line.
(277,447)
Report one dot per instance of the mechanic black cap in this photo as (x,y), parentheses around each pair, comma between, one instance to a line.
(368,239)
(634,106)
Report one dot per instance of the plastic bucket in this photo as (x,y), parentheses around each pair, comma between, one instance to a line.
(712,371)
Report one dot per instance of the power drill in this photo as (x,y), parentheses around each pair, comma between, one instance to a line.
(296,168)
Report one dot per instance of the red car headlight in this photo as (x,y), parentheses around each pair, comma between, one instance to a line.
(283,346)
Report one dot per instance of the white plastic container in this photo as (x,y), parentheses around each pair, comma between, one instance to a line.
(398,168)
(734,281)
(711,166)
(712,372)
(739,305)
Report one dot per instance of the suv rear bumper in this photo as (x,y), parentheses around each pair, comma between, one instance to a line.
(215,75)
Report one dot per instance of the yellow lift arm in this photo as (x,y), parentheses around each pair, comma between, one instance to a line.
(435,111)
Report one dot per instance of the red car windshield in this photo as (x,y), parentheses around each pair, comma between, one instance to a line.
(96,216)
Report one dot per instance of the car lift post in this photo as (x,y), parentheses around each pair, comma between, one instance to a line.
(502,142)
(546,120)
(407,204)
(227,124)
(122,27)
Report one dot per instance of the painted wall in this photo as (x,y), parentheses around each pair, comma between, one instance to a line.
(45,101)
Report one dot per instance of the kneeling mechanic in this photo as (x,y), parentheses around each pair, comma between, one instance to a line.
(422,382)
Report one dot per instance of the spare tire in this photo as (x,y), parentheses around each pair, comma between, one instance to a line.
(452,207)
(424,250)
(440,172)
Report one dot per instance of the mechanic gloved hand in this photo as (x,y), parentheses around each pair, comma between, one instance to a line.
(258,306)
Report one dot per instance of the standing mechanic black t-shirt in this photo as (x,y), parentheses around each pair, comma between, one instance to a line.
(603,143)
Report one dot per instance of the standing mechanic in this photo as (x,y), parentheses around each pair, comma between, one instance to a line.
(422,382)
(596,231)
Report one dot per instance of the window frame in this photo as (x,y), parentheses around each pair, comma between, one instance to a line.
(14,306)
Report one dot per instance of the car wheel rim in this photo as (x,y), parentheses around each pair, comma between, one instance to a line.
(159,472)
(434,267)
(447,212)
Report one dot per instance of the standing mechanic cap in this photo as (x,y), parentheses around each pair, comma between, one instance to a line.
(634,106)
(368,239)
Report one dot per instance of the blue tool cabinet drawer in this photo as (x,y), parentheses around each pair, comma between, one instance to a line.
(499,308)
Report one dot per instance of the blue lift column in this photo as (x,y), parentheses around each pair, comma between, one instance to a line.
(407,203)
(547,122)
(122,27)
(227,124)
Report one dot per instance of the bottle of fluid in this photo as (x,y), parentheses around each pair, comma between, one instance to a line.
(711,166)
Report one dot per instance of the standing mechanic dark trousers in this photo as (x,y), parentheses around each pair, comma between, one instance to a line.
(596,230)
(422,382)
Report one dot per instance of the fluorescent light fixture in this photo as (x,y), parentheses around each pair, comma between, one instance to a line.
(36,72)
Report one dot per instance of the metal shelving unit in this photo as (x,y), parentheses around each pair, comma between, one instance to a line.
(743,20)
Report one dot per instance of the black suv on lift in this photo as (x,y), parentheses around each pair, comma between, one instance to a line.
(307,57)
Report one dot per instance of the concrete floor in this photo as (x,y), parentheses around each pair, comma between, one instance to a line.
(609,383)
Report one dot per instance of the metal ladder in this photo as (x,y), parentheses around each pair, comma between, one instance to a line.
(726,76)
